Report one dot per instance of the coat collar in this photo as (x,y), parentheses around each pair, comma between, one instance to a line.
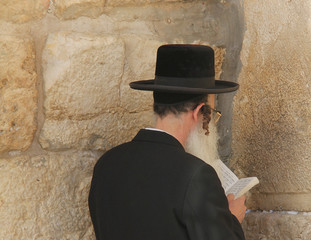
(157,137)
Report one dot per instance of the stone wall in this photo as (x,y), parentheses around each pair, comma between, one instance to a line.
(272,117)
(65,66)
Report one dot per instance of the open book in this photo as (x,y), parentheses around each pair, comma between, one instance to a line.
(231,183)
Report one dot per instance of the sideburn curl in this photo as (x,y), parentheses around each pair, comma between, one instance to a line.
(207,116)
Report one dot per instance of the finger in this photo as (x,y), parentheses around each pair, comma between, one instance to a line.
(230,197)
(241,199)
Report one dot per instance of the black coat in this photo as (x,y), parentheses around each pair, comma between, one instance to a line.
(151,189)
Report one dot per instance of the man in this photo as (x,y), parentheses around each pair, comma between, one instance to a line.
(150,188)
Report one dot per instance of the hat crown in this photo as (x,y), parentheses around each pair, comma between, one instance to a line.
(185,61)
(186,69)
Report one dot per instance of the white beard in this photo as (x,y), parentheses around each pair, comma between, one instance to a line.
(202,146)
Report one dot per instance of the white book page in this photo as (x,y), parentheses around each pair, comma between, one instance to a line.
(242,186)
(226,176)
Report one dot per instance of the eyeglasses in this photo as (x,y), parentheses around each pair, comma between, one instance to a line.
(217,114)
(206,111)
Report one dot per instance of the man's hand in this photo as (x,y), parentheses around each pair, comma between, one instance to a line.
(237,206)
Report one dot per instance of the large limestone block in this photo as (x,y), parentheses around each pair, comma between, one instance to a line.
(23,10)
(182,21)
(115,3)
(18,93)
(101,133)
(82,74)
(277,226)
(45,196)
(71,9)
(272,113)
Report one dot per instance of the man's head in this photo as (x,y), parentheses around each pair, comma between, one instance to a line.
(184,75)
(176,104)
(202,138)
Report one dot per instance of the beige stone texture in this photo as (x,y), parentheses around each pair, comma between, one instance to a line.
(45,196)
(277,226)
(20,11)
(118,3)
(272,109)
(70,9)
(219,59)
(82,75)
(139,65)
(18,94)
(101,133)
(82,79)
(171,22)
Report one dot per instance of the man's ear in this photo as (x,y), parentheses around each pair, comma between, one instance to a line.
(196,112)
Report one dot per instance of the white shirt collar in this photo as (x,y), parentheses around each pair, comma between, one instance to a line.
(156,129)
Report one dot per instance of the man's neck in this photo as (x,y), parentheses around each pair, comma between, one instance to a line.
(178,127)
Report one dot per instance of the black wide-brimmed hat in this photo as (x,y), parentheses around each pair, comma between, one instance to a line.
(185,69)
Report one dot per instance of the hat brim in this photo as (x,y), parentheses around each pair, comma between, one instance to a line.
(220,87)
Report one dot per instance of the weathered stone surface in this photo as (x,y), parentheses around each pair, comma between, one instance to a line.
(102,132)
(277,226)
(82,79)
(45,196)
(139,65)
(279,201)
(82,75)
(115,3)
(175,22)
(23,10)
(273,106)
(219,59)
(71,9)
(18,94)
